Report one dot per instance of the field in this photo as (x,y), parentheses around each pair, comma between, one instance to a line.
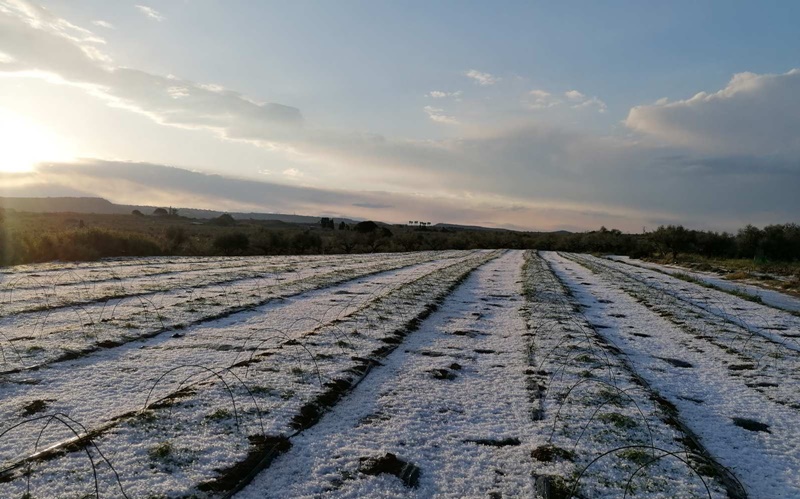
(428,374)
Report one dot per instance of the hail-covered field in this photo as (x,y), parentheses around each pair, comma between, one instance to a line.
(431,374)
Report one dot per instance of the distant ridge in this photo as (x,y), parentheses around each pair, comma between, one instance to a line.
(106,207)
(467,227)
(62,205)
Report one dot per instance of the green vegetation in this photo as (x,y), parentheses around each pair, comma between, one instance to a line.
(161,452)
(40,237)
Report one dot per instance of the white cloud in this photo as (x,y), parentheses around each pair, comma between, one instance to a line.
(292,172)
(537,163)
(178,92)
(211,87)
(150,12)
(5,58)
(574,95)
(592,102)
(103,24)
(45,46)
(436,114)
(482,79)
(438,94)
(542,99)
(754,114)
(581,101)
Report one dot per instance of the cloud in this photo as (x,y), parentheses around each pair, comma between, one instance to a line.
(436,114)
(438,94)
(753,115)
(154,184)
(150,12)
(43,46)
(103,24)
(592,102)
(574,96)
(542,99)
(581,101)
(292,172)
(725,158)
(482,79)
(374,206)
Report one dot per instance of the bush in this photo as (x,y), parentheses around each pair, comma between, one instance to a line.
(229,244)
(176,236)
(224,220)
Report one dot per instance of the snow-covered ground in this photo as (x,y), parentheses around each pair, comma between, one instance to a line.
(456,382)
(738,392)
(58,330)
(439,374)
(767,296)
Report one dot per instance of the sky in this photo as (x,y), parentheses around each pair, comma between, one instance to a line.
(526,115)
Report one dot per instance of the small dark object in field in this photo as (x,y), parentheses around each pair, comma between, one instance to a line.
(108,344)
(676,362)
(506,442)
(483,350)
(34,407)
(443,374)
(263,449)
(178,335)
(392,465)
(455,366)
(430,353)
(471,334)
(763,384)
(742,367)
(751,425)
(546,453)
(552,487)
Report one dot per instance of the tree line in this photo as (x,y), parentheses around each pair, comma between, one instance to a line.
(228,236)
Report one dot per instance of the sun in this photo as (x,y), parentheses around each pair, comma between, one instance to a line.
(23,144)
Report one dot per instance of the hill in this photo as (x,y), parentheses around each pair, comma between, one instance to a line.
(104,207)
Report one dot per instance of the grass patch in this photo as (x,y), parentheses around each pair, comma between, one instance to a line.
(161,452)
(618,420)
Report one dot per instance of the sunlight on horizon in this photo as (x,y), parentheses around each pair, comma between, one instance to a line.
(25,144)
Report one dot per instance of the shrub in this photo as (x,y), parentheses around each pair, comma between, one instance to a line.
(229,244)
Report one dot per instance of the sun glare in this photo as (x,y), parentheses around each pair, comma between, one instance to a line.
(23,144)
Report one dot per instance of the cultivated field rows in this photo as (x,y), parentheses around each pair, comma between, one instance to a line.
(451,402)
(450,374)
(601,430)
(36,291)
(767,296)
(252,374)
(31,339)
(734,383)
